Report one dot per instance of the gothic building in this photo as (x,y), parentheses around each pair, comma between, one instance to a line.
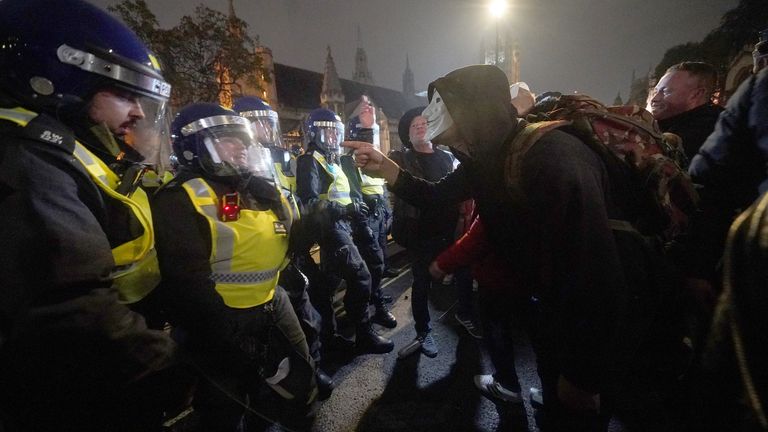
(505,54)
(294,92)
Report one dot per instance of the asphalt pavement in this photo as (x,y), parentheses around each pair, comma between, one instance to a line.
(378,393)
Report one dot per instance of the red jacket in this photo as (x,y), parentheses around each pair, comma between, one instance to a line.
(473,249)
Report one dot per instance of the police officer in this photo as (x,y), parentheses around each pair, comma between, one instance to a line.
(369,232)
(80,115)
(323,188)
(222,237)
(266,129)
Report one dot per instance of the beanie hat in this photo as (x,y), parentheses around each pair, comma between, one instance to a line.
(404,127)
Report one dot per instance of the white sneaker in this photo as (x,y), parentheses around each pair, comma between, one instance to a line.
(493,390)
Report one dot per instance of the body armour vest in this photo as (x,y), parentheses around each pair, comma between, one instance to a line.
(246,254)
(136,271)
(338,190)
(372,185)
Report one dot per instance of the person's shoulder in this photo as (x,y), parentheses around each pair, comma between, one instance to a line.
(306,158)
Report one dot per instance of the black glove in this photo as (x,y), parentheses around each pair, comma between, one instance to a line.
(357,209)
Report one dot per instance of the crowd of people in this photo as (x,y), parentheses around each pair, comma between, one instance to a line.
(136,282)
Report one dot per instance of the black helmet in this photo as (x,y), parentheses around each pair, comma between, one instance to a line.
(54,52)
(264,119)
(219,143)
(324,128)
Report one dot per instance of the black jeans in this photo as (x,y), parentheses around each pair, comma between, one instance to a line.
(421,256)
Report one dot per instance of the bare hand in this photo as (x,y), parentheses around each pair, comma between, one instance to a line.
(576,399)
(367,157)
(436,272)
(373,162)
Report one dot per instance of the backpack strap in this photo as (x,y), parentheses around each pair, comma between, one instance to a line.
(522,142)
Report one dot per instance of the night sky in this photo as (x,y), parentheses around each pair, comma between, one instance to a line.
(590,46)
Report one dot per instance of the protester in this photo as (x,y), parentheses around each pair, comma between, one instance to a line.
(559,242)
(424,232)
(501,305)
(682,103)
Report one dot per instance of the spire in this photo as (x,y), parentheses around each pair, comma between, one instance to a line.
(331,96)
(618,101)
(409,87)
(235,29)
(362,74)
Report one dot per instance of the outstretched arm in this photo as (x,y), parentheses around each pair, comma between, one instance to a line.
(373,162)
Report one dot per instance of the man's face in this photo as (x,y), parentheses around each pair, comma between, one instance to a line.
(676,93)
(418,130)
(118,109)
(232,150)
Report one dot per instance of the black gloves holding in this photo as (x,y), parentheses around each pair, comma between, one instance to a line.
(357,209)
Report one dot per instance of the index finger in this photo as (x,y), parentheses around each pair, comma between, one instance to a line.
(355,145)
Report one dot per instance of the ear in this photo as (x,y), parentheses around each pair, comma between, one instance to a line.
(699,95)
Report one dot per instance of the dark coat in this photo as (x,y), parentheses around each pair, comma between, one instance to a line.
(557,240)
(693,126)
(68,348)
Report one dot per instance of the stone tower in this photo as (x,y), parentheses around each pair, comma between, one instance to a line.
(409,86)
(362,74)
(266,77)
(331,96)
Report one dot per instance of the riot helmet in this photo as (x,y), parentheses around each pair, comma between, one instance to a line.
(219,143)
(55,56)
(324,128)
(264,120)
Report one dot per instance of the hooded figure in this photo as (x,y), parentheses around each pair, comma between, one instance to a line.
(550,227)
(482,114)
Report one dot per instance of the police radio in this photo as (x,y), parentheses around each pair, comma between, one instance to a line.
(229,207)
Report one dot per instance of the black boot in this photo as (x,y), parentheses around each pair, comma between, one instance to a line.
(369,342)
(384,317)
(325,385)
(337,342)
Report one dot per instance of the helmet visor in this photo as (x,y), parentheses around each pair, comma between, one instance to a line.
(266,128)
(226,146)
(150,135)
(329,134)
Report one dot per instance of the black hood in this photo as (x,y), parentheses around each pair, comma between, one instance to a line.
(477,97)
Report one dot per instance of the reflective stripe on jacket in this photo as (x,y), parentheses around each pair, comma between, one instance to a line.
(246,254)
(338,190)
(136,271)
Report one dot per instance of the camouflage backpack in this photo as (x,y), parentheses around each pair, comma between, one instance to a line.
(628,140)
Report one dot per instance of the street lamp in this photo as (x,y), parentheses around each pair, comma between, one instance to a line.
(497,8)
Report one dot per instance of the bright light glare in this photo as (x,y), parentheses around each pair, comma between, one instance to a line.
(498,8)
